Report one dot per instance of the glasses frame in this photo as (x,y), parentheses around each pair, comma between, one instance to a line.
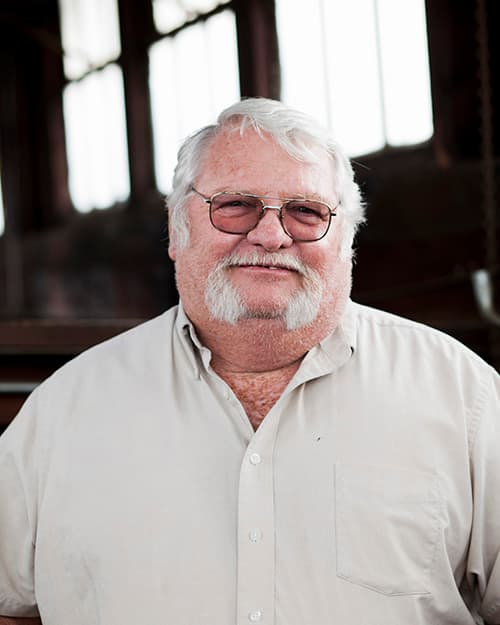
(261,198)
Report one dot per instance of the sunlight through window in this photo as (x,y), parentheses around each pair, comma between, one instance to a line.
(192,77)
(94,104)
(405,71)
(94,115)
(359,67)
(90,34)
(170,14)
(352,78)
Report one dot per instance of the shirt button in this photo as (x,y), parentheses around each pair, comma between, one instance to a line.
(255,458)
(255,535)
(255,616)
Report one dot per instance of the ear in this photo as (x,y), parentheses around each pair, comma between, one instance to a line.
(172,248)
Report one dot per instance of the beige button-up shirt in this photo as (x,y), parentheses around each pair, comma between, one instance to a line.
(134,490)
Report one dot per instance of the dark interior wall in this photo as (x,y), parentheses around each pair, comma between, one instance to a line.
(428,227)
(67,280)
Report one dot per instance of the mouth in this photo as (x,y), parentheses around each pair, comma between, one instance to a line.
(264,267)
(265,264)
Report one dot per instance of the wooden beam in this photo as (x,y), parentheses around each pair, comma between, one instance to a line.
(136,32)
(258,48)
(58,336)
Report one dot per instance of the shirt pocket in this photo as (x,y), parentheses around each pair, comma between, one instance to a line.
(387,527)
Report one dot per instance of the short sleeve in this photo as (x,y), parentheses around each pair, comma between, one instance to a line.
(483,570)
(19,457)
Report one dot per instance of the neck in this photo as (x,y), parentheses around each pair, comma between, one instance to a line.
(254,346)
(256,391)
(257,358)
(257,345)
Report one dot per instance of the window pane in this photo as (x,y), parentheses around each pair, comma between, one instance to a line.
(90,34)
(353,75)
(345,67)
(170,14)
(405,67)
(192,77)
(303,64)
(94,115)
(318,76)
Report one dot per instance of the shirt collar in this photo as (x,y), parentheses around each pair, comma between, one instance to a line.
(192,345)
(348,325)
(329,355)
(332,352)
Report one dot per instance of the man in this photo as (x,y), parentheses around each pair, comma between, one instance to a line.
(268,452)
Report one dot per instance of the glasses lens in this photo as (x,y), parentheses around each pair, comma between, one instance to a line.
(306,220)
(234,213)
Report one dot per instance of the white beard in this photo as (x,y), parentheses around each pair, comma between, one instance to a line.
(225,304)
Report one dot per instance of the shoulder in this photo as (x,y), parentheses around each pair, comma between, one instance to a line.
(405,334)
(375,320)
(131,355)
(424,364)
(139,337)
(113,382)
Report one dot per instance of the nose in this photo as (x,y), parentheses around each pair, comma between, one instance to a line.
(269,233)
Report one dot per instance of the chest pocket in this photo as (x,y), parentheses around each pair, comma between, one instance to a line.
(387,527)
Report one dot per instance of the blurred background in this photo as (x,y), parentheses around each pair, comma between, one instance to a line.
(96,96)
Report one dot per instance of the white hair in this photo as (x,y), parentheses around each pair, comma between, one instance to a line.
(297,133)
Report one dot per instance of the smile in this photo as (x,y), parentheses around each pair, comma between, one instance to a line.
(270,262)
(264,267)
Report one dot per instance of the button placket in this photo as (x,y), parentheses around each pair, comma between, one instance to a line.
(256,565)
(255,458)
(255,616)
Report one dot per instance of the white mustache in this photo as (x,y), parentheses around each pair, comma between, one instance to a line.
(268,259)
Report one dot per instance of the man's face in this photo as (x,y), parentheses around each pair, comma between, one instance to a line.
(263,274)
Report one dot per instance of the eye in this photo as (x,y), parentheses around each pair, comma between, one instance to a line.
(237,204)
(234,204)
(307,212)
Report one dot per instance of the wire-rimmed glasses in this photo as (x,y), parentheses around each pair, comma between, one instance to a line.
(234,212)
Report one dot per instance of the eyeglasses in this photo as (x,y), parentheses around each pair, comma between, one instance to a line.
(239,213)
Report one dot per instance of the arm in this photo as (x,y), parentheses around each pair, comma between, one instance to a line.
(18,516)
(483,573)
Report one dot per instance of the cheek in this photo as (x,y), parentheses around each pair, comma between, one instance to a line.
(335,256)
(337,231)
(324,258)
(328,260)
(337,284)
(190,265)
(194,263)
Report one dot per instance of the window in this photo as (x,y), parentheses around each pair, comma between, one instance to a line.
(94,109)
(360,66)
(170,14)
(193,75)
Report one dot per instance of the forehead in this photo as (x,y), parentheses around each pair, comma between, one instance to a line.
(254,163)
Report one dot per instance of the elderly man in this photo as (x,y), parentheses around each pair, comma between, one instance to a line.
(268,451)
